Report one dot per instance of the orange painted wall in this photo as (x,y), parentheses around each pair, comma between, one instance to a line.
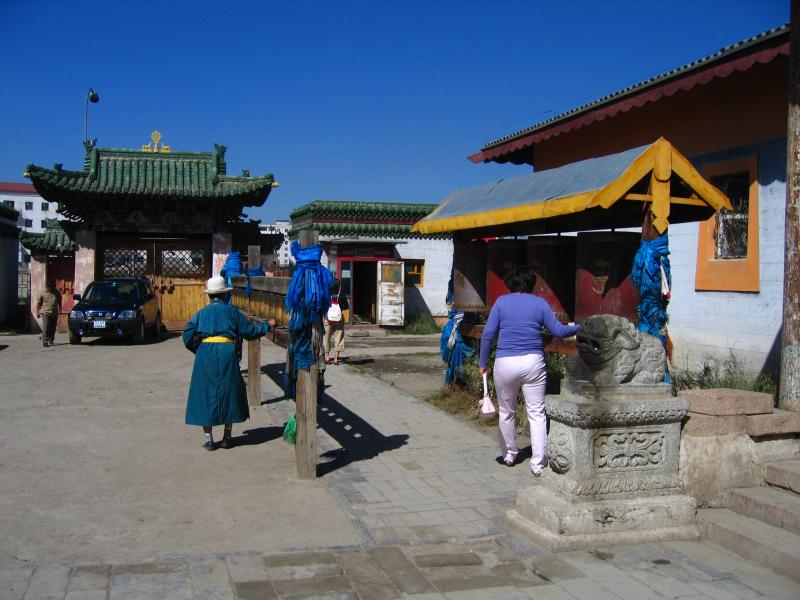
(742,109)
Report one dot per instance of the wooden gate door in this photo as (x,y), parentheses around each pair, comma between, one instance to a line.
(178,270)
(182,268)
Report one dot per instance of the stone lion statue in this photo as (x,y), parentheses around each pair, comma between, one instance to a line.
(613,352)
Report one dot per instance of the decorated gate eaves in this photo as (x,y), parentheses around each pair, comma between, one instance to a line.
(605,192)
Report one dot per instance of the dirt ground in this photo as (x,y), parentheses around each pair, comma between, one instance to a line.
(97,464)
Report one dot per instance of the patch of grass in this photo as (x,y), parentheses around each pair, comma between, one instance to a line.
(730,373)
(420,325)
(458,401)
(462,398)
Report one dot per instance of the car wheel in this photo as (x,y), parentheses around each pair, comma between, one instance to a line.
(74,339)
(155,330)
(138,335)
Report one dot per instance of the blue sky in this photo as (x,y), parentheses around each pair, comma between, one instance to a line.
(376,101)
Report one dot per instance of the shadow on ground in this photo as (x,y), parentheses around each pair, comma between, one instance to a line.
(259,435)
(358,439)
(126,341)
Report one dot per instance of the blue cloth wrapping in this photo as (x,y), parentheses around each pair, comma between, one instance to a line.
(256,272)
(232,268)
(454,350)
(646,275)
(307,300)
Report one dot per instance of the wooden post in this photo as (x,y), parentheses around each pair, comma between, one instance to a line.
(254,372)
(789,395)
(305,449)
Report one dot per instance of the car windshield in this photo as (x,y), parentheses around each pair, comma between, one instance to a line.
(112,291)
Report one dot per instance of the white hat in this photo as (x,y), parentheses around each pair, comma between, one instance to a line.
(216,285)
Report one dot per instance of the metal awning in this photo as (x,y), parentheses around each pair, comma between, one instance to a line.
(598,193)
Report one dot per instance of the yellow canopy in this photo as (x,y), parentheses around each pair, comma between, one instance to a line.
(597,193)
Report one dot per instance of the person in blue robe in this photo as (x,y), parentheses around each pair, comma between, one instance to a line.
(217,394)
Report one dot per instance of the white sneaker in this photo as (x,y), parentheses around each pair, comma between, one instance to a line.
(536,472)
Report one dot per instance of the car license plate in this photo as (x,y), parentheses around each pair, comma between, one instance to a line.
(99,324)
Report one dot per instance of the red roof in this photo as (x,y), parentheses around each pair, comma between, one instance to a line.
(718,66)
(23,188)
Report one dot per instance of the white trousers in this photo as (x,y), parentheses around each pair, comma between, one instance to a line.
(529,373)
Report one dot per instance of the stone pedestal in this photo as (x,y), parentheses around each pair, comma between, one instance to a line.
(613,477)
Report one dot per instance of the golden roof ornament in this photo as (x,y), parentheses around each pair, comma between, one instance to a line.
(153,146)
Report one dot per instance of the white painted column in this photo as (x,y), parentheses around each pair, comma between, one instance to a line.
(38,281)
(221,247)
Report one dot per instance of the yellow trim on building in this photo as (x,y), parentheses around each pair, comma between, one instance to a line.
(661,160)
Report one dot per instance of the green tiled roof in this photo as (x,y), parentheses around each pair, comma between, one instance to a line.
(365,230)
(111,172)
(371,211)
(53,239)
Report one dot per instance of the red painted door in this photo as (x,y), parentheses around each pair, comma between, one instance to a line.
(603,282)
(552,258)
(502,256)
(62,270)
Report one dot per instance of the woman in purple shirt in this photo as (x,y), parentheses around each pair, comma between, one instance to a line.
(516,321)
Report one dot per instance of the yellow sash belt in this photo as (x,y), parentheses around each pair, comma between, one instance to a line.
(218,339)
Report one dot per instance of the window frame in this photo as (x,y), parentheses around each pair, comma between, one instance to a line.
(729,274)
(28,205)
(418,262)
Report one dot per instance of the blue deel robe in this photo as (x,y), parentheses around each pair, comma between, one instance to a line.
(217,393)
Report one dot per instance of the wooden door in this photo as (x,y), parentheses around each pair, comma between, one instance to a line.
(62,271)
(181,271)
(390,293)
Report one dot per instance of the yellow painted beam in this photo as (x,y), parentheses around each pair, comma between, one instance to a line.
(660,206)
(504,216)
(672,199)
(638,169)
(712,195)
(663,166)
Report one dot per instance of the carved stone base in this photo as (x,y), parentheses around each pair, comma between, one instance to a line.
(613,454)
(559,524)
(623,444)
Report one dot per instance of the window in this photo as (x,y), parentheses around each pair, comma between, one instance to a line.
(44,223)
(727,244)
(28,223)
(415,272)
(45,206)
(9,203)
(29,206)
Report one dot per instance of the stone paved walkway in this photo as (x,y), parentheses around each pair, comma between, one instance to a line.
(426,495)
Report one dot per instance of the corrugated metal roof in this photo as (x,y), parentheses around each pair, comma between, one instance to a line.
(532,188)
(721,54)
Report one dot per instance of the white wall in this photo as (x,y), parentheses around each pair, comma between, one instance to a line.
(438,257)
(707,326)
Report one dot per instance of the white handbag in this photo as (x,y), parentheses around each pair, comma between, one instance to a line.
(487,408)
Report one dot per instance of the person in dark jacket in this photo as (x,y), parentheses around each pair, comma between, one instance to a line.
(48,305)
(217,394)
